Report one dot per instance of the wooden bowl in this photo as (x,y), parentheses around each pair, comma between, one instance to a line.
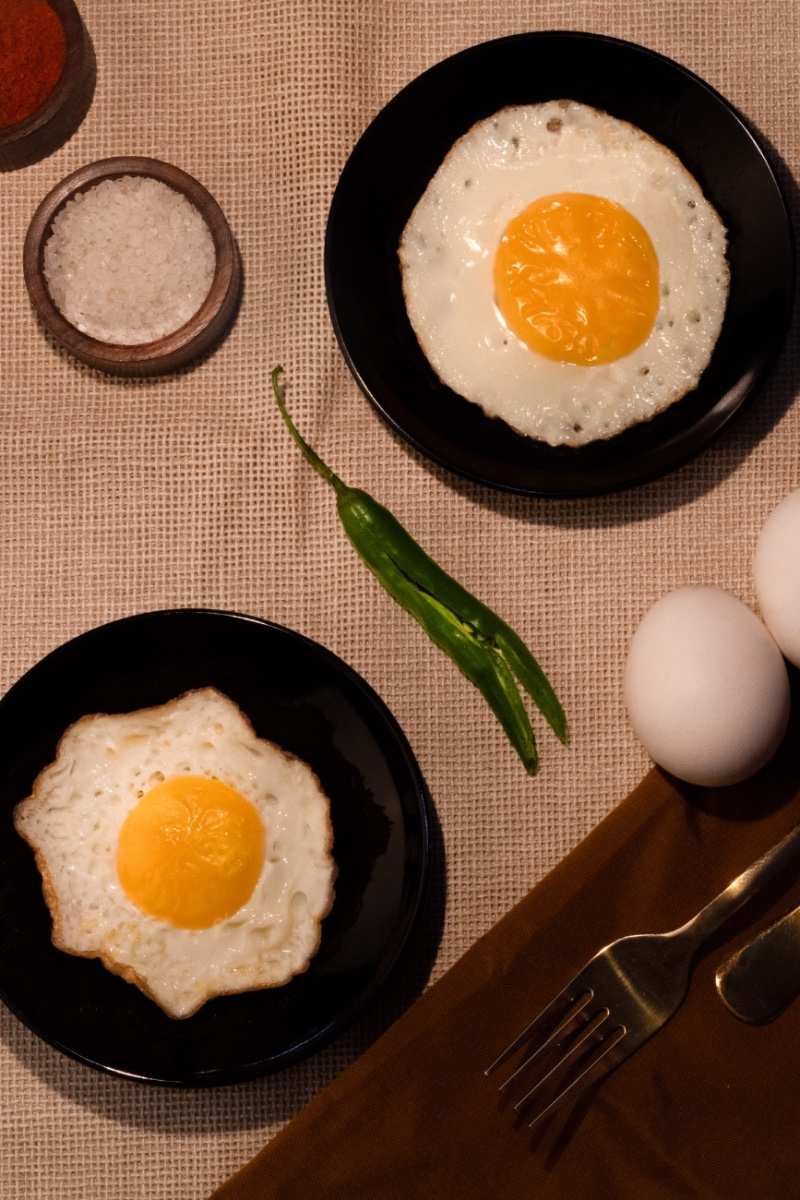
(203,331)
(62,112)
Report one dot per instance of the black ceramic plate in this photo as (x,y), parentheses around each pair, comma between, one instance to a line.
(308,701)
(390,168)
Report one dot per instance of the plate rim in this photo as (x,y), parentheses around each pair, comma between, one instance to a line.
(221,1077)
(657,471)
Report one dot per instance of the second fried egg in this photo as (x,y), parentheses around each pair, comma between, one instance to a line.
(564,271)
(190,855)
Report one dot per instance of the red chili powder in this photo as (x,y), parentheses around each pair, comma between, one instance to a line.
(33,50)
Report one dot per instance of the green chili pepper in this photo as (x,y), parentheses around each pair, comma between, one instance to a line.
(481,645)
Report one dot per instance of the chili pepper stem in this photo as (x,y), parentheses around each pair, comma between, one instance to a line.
(311,456)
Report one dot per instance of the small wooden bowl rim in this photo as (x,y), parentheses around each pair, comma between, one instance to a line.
(92,350)
(73,66)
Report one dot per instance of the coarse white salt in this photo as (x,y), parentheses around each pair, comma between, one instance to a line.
(129,260)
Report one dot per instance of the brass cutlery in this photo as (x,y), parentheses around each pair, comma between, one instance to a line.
(621,997)
(759,981)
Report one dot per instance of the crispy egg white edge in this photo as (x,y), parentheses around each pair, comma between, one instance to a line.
(24,809)
(553,108)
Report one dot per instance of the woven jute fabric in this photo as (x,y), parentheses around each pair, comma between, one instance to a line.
(116,497)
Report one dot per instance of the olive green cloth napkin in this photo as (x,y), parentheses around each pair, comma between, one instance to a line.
(708,1108)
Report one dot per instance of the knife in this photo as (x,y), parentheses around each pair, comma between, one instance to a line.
(763,978)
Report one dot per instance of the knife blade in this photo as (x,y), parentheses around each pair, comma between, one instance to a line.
(763,978)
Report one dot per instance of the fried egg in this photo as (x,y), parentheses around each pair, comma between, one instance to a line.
(565,272)
(191,856)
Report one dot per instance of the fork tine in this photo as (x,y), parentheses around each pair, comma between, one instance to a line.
(531,1028)
(581,1036)
(575,1009)
(606,1046)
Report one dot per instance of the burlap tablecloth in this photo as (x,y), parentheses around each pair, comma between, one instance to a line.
(117,497)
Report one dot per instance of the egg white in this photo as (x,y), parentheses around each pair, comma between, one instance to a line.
(73,818)
(447,250)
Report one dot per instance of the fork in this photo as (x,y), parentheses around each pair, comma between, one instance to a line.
(622,996)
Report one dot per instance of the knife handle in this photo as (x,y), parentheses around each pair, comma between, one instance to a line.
(763,978)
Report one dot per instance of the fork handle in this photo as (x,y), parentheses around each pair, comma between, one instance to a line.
(742,889)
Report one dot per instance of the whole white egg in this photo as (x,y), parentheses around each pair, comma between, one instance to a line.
(776,570)
(706,687)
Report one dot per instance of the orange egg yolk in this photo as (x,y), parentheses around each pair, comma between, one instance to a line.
(190,852)
(576,279)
